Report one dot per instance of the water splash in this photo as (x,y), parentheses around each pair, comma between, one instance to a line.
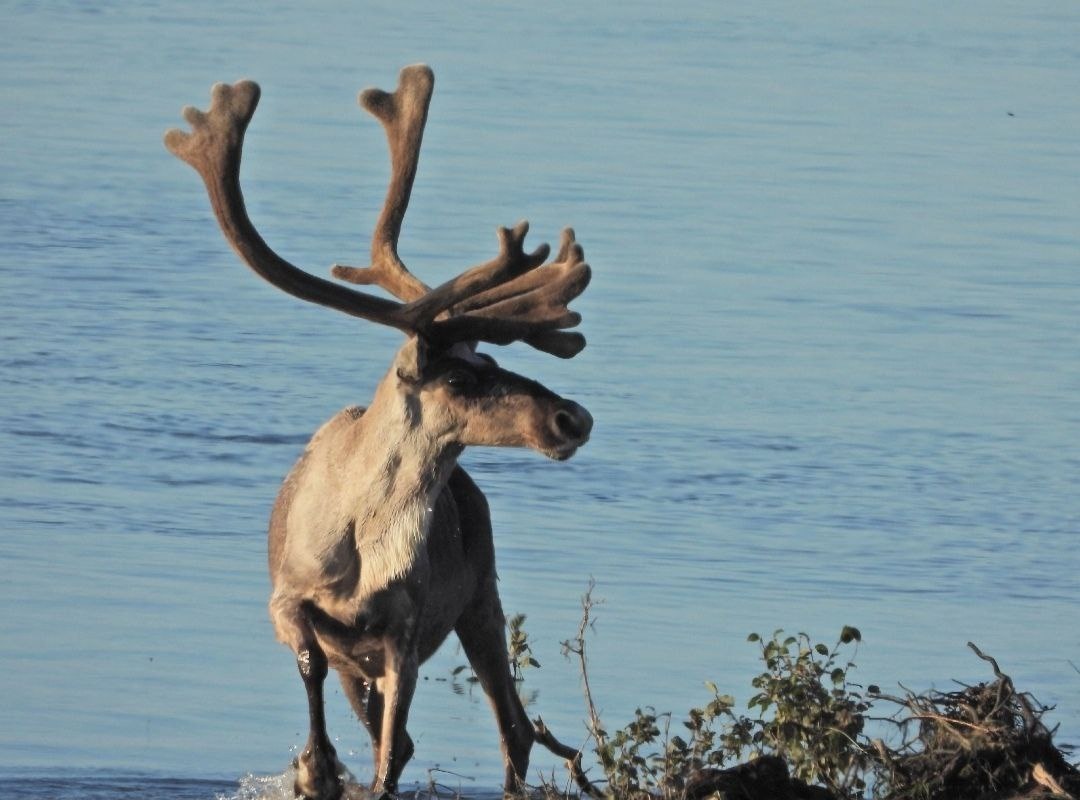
(263,787)
(280,787)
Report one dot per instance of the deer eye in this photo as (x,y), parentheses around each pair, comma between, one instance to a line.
(460,379)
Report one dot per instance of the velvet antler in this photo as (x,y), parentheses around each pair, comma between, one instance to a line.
(512,297)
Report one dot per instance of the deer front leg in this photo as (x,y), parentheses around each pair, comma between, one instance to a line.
(317,767)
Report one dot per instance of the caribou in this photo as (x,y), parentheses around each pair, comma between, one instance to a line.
(380,544)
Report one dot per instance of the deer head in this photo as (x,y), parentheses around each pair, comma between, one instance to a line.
(437,380)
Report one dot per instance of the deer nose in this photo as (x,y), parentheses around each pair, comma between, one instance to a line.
(573,421)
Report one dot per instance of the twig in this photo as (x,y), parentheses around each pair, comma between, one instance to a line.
(1031,719)
(951,721)
(572,756)
(578,649)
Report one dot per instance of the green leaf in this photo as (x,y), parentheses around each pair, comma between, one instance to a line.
(753,637)
(850,634)
(821,649)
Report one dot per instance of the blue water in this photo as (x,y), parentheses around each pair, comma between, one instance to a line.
(834,356)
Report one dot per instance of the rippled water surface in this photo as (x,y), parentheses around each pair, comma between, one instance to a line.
(834,333)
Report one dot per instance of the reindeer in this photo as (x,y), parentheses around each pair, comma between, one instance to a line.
(379,543)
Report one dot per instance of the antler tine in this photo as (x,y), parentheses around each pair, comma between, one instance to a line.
(570,256)
(403,115)
(532,306)
(511,262)
(214,148)
(552,285)
(562,344)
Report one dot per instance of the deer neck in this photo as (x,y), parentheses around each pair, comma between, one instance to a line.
(395,471)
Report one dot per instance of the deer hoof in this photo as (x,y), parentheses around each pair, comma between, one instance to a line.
(317,774)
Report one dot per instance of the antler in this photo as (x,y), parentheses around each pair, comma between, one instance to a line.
(509,298)
(546,290)
(403,115)
(214,148)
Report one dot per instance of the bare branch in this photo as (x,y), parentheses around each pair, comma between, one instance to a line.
(545,737)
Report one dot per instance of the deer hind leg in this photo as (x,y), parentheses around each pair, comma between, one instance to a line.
(388,709)
(317,766)
(482,631)
(368,703)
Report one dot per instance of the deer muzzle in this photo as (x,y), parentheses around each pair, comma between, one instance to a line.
(571,425)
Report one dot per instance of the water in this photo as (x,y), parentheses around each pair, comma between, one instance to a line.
(833,357)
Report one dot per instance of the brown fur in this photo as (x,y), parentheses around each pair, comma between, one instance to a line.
(380,546)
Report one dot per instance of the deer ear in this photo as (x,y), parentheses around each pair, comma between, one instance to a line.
(411,360)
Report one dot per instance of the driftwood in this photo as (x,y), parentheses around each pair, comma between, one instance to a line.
(982,742)
(764,777)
